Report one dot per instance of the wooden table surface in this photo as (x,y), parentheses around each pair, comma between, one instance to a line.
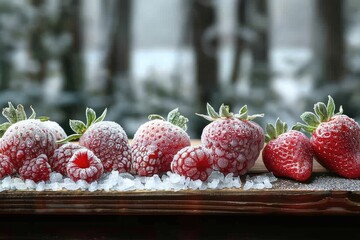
(189,202)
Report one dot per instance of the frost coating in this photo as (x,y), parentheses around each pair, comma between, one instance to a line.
(234,144)
(193,162)
(163,136)
(89,173)
(56,129)
(109,143)
(37,169)
(62,156)
(26,140)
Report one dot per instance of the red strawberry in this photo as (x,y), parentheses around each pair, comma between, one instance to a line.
(37,169)
(62,156)
(192,162)
(6,167)
(107,140)
(335,139)
(84,165)
(234,141)
(146,160)
(157,141)
(56,129)
(287,154)
(25,139)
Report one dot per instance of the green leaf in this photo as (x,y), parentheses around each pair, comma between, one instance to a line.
(205,116)
(279,127)
(306,128)
(155,116)
(224,111)
(77,126)
(33,113)
(321,111)
(69,139)
(43,118)
(10,113)
(285,127)
(252,117)
(4,127)
(90,117)
(243,113)
(341,110)
(211,112)
(267,138)
(102,116)
(271,131)
(310,118)
(20,113)
(330,107)
(173,115)
(177,119)
(296,127)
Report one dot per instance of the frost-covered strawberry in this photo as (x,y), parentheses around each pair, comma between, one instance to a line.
(24,138)
(335,139)
(193,162)
(106,139)
(146,160)
(233,140)
(56,129)
(62,156)
(37,169)
(156,142)
(6,167)
(84,165)
(287,154)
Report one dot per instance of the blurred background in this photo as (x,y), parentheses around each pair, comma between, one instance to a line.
(138,57)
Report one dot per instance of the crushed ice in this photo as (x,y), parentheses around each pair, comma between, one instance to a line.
(115,181)
(263,181)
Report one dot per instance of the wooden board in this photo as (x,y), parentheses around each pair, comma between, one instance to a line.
(194,202)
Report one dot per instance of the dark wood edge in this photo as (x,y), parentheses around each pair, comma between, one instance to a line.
(189,202)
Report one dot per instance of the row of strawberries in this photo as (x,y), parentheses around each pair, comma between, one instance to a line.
(231,143)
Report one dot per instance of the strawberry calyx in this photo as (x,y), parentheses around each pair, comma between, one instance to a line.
(272,132)
(322,113)
(79,127)
(224,112)
(14,115)
(174,117)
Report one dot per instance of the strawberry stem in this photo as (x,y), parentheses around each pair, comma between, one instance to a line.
(323,113)
(272,132)
(14,115)
(224,112)
(173,117)
(80,127)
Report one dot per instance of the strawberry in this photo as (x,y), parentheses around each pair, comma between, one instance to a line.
(56,129)
(62,156)
(287,154)
(146,160)
(24,138)
(84,165)
(233,140)
(335,139)
(106,139)
(6,167)
(193,162)
(37,169)
(156,142)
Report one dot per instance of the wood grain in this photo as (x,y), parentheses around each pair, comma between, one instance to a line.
(189,202)
(183,202)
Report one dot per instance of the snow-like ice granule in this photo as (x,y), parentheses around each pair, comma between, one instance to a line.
(115,181)
(259,181)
